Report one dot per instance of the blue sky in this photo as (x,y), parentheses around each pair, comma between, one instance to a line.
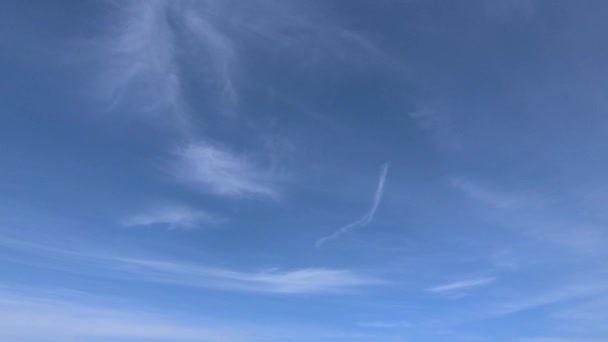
(303,171)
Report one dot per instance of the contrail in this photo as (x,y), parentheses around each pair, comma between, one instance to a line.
(367,218)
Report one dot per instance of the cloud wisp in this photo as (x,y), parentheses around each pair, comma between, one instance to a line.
(174,217)
(289,282)
(216,170)
(497,199)
(153,47)
(37,317)
(142,57)
(461,285)
(367,218)
(301,281)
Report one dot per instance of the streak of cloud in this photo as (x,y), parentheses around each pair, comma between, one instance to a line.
(148,270)
(33,314)
(367,218)
(462,285)
(172,216)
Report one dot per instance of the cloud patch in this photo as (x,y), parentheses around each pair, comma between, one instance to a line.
(216,170)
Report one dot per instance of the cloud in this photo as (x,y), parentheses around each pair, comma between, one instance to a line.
(139,60)
(34,315)
(171,216)
(39,318)
(535,216)
(385,325)
(311,280)
(297,281)
(153,48)
(366,219)
(497,199)
(216,170)
(147,48)
(561,294)
(461,285)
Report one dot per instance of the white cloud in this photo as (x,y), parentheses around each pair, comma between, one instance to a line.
(216,170)
(533,300)
(151,42)
(461,285)
(311,280)
(497,199)
(297,281)
(171,216)
(366,219)
(535,216)
(56,315)
(37,318)
(139,60)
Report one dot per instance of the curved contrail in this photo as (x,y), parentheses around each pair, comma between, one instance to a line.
(367,218)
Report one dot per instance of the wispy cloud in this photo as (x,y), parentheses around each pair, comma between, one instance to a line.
(172,217)
(139,58)
(151,43)
(535,299)
(311,280)
(367,218)
(35,318)
(535,216)
(296,281)
(461,285)
(497,199)
(43,315)
(216,170)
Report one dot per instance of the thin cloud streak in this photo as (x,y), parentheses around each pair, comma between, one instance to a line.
(174,217)
(291,282)
(462,285)
(310,280)
(59,315)
(367,218)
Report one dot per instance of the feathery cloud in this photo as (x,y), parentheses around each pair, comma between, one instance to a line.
(367,218)
(151,44)
(298,281)
(310,280)
(43,315)
(461,285)
(216,170)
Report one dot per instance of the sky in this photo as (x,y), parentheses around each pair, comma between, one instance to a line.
(222,170)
